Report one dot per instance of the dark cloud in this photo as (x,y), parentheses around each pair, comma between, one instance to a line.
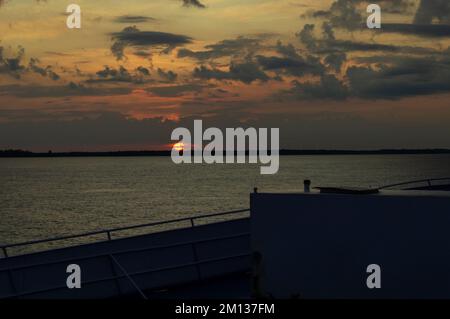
(297,66)
(133,37)
(33,65)
(329,44)
(433,10)
(425,30)
(335,60)
(403,76)
(193,3)
(345,14)
(12,65)
(143,53)
(72,89)
(348,13)
(329,87)
(168,76)
(109,74)
(142,70)
(241,46)
(176,90)
(382,77)
(306,36)
(133,19)
(431,19)
(246,72)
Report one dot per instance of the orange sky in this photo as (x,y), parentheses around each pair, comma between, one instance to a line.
(231,62)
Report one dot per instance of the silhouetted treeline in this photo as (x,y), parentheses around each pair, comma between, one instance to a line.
(24,153)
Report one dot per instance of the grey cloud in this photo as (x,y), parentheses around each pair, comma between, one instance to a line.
(33,65)
(72,89)
(329,44)
(335,60)
(246,72)
(348,14)
(298,66)
(108,74)
(133,19)
(133,37)
(177,90)
(386,77)
(12,65)
(169,76)
(407,77)
(193,3)
(306,36)
(227,48)
(425,30)
(329,87)
(142,70)
(430,10)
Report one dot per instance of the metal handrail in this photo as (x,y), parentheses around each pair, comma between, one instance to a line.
(137,273)
(136,250)
(126,274)
(428,180)
(111,230)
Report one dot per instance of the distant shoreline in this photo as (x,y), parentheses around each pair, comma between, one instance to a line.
(26,154)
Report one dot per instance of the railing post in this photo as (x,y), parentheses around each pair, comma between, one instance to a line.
(5,253)
(109,235)
(192,222)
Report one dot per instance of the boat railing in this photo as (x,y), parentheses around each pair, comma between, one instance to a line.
(129,275)
(109,232)
(429,182)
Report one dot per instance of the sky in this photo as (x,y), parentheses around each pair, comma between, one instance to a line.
(138,69)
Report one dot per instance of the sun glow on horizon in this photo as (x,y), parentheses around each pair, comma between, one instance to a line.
(179,146)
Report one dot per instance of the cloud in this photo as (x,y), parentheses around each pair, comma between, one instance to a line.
(33,65)
(424,30)
(72,89)
(306,36)
(193,3)
(108,74)
(168,76)
(329,44)
(297,66)
(12,65)
(431,19)
(329,87)
(241,46)
(430,10)
(133,19)
(246,72)
(335,60)
(404,76)
(176,90)
(133,37)
(382,77)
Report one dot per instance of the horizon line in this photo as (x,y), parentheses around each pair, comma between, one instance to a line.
(387,151)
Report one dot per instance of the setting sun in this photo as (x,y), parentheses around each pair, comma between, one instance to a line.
(178,146)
